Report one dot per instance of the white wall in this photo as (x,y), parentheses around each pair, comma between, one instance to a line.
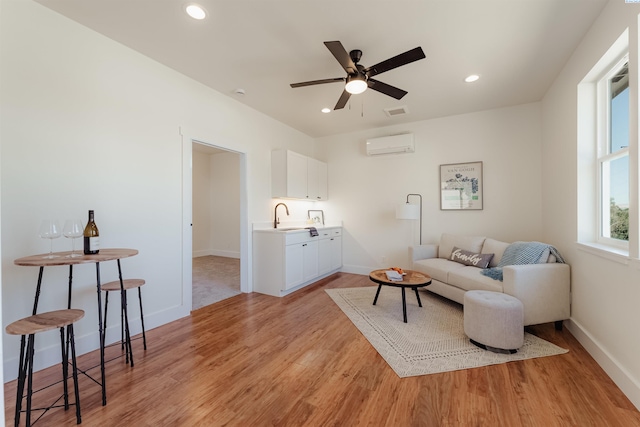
(225,204)
(216,204)
(202,195)
(605,293)
(90,124)
(365,190)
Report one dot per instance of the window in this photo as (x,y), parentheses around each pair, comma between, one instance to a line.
(613,155)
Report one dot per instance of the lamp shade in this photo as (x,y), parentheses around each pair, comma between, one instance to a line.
(407,211)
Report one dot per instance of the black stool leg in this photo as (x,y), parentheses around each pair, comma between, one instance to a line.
(122,311)
(71,337)
(65,368)
(144,338)
(30,346)
(126,326)
(106,305)
(22,373)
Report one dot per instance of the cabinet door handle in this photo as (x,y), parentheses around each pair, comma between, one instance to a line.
(304,244)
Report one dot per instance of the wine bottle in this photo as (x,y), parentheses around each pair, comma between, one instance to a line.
(91,237)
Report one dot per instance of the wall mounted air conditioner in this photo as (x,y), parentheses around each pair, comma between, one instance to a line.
(390,145)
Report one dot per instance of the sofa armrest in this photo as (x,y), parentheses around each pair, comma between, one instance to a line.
(423,252)
(544,289)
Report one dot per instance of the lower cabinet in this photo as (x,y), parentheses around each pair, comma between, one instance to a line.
(301,263)
(284,262)
(330,250)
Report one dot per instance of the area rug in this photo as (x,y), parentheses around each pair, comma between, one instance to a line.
(433,338)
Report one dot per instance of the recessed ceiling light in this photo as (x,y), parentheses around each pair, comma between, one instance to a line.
(196,11)
(326,110)
(472,78)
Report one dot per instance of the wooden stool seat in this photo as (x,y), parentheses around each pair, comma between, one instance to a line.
(44,322)
(28,327)
(126,284)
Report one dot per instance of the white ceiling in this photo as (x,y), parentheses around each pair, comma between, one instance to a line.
(518,47)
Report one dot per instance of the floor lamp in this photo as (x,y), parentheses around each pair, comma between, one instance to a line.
(411,211)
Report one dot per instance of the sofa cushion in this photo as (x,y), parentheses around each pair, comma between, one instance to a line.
(437,268)
(468,243)
(495,247)
(470,279)
(470,258)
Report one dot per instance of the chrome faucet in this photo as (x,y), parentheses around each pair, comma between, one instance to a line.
(276,220)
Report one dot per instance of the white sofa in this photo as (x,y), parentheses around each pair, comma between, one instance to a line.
(544,289)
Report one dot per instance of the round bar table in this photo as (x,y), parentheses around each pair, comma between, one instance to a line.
(63,259)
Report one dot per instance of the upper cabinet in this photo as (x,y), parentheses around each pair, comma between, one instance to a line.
(295,176)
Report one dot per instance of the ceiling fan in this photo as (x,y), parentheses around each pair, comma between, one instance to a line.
(359,78)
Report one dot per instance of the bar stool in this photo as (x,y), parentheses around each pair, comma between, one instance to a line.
(124,317)
(29,326)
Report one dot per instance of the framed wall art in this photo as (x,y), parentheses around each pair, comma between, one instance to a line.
(317,216)
(461,186)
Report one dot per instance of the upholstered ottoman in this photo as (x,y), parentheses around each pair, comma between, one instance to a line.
(493,320)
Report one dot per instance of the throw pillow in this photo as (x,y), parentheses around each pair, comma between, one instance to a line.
(470,258)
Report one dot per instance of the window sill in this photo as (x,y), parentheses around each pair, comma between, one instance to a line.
(608,252)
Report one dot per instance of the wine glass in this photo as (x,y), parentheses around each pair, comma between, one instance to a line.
(50,230)
(73,229)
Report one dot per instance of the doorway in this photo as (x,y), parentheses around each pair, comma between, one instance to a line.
(216,215)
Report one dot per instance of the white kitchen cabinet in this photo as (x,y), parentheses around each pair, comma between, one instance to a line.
(309,260)
(316,180)
(301,262)
(329,250)
(285,261)
(336,253)
(293,259)
(295,176)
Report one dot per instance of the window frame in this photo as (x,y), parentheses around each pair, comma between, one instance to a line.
(604,157)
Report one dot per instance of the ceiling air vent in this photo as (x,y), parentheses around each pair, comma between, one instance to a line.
(396,111)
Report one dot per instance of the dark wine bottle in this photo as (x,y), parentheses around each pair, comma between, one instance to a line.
(91,237)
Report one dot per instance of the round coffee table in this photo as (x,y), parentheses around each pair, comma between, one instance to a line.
(411,279)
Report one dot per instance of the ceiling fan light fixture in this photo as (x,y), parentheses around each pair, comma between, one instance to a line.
(356,84)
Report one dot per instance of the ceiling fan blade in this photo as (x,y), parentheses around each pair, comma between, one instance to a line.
(343,100)
(317,82)
(342,56)
(395,62)
(389,90)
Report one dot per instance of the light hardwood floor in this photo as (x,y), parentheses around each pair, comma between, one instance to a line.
(256,360)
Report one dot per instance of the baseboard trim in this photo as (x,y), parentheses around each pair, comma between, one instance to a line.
(50,355)
(620,376)
(225,254)
(358,269)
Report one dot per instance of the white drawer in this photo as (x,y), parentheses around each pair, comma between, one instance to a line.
(298,237)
